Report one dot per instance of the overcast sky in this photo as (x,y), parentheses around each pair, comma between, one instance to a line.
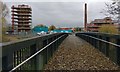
(67,13)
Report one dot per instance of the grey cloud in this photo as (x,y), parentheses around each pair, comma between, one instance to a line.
(60,14)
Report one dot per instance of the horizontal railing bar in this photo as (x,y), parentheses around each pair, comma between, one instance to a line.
(103,40)
(34,54)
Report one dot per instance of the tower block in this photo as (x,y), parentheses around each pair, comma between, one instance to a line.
(21,18)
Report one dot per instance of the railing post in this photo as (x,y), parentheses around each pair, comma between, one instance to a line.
(52,46)
(7,62)
(104,45)
(112,50)
(94,42)
(33,61)
(49,49)
(118,52)
(39,58)
(97,43)
(56,44)
(107,47)
(0,58)
(100,44)
(46,52)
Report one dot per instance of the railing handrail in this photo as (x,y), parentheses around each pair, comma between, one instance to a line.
(103,40)
(29,58)
(12,42)
(17,45)
(98,33)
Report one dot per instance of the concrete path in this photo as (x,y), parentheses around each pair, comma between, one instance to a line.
(75,53)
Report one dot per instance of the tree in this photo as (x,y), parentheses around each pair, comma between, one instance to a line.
(113,10)
(108,29)
(41,25)
(0,21)
(52,27)
(77,29)
(3,13)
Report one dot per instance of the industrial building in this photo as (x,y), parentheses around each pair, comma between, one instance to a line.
(93,26)
(97,23)
(40,29)
(21,18)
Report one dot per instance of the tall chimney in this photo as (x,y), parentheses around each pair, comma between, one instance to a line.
(85,18)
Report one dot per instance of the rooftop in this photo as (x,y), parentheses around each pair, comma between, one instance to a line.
(104,20)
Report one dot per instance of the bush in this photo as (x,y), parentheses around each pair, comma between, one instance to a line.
(108,29)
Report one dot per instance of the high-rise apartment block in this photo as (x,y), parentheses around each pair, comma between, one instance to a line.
(21,18)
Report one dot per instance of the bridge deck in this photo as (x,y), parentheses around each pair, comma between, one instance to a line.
(74,53)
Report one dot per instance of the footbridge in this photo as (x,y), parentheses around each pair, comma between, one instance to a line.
(63,51)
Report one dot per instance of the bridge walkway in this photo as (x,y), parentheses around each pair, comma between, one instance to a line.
(76,54)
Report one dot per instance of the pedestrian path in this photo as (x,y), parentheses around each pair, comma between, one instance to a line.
(76,54)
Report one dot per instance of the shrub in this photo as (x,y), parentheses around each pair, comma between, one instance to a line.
(108,29)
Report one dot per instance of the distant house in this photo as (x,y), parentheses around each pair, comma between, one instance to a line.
(96,24)
(38,29)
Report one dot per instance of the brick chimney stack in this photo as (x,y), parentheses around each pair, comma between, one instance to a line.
(85,18)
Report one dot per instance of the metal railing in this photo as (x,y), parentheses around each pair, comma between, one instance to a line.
(106,43)
(30,54)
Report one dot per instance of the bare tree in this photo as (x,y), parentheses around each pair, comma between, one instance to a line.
(113,10)
(4,9)
(3,13)
(0,22)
